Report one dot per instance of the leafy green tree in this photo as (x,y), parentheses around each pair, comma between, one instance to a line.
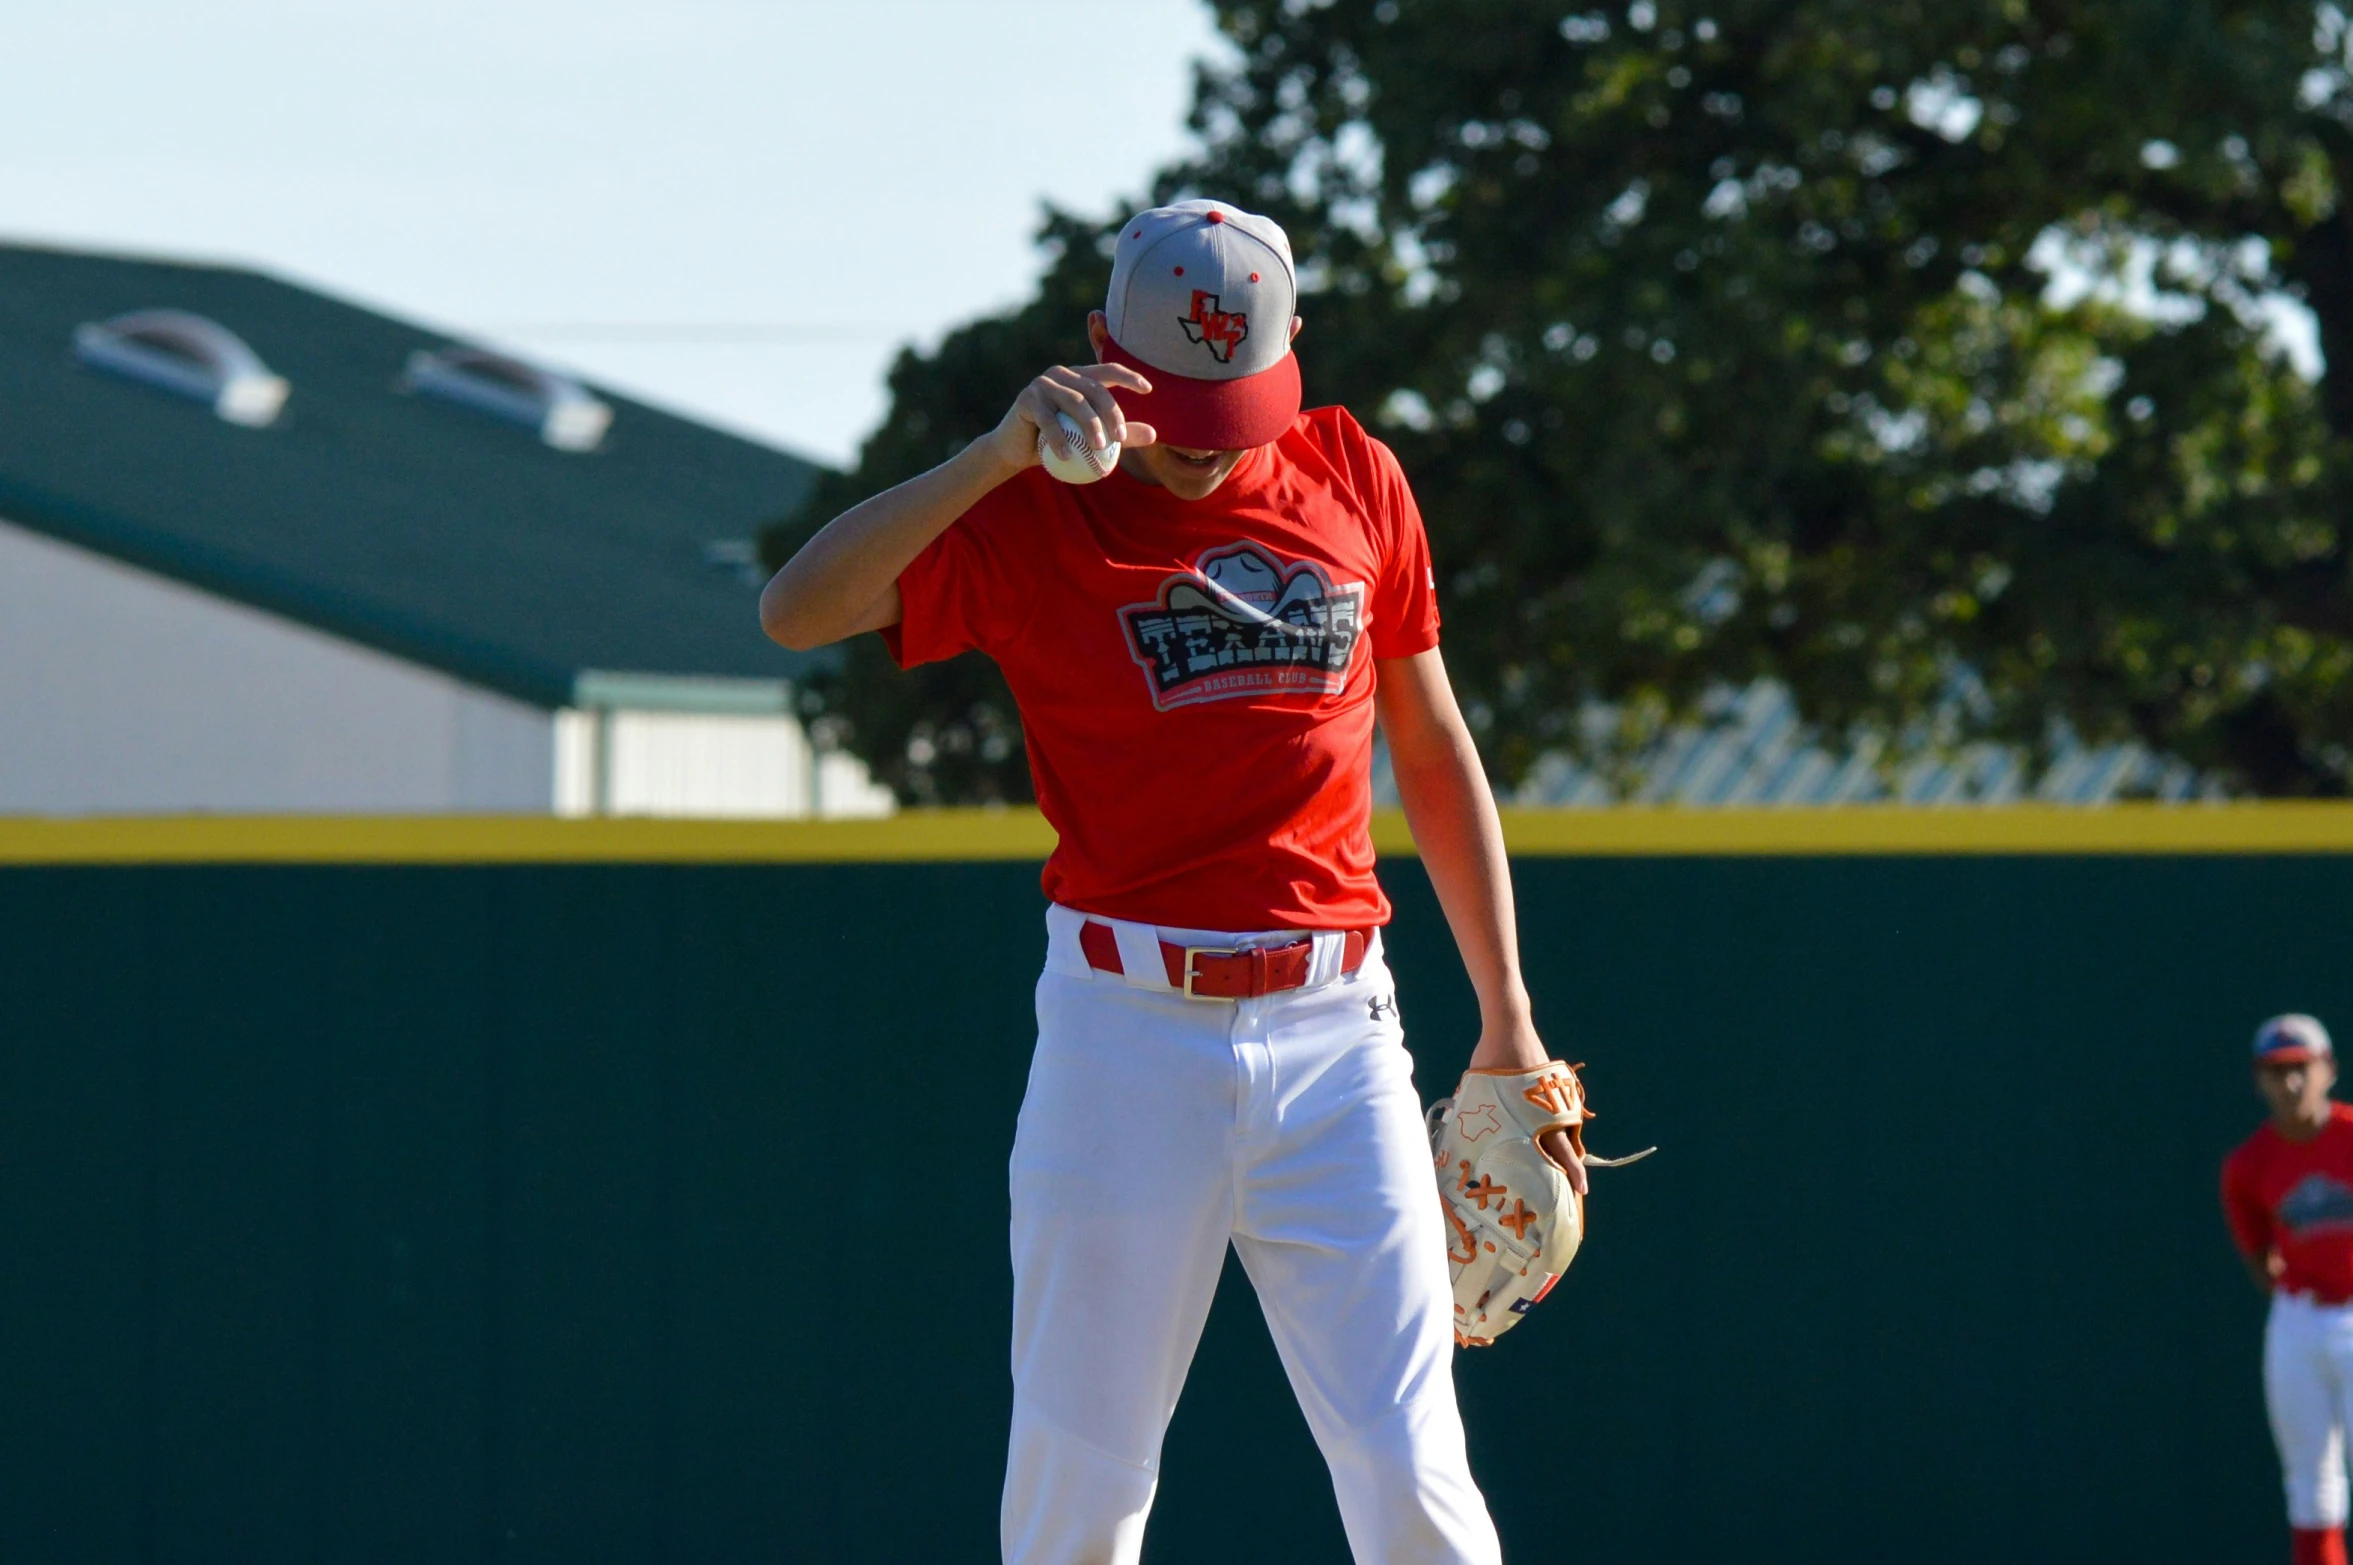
(1914,354)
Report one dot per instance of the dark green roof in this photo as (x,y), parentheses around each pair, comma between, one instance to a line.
(407,523)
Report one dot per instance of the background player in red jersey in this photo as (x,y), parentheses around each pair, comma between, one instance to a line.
(1201,644)
(2288,1192)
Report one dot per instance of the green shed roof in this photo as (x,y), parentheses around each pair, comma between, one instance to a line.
(410,524)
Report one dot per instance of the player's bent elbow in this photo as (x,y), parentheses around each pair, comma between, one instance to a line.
(790,614)
(795,636)
(787,626)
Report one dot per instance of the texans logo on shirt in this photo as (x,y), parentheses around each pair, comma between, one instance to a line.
(1243,622)
(2318,1204)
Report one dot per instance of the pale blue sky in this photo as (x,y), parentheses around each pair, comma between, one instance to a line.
(860,173)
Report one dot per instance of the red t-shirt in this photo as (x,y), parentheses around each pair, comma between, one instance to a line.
(2296,1197)
(1196,677)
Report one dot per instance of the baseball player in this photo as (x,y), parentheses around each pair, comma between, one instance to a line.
(1201,644)
(2288,1192)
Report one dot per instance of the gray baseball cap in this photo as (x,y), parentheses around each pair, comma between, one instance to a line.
(2292,1039)
(1201,301)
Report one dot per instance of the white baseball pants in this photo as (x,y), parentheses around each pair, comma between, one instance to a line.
(1157,1130)
(2308,1386)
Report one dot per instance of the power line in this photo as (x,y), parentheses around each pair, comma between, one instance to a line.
(701,333)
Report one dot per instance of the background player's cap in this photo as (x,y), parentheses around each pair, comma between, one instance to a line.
(2291,1040)
(1202,295)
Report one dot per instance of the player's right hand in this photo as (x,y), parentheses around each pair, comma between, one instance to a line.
(1084,394)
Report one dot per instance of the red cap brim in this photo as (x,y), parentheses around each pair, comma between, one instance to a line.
(1212,415)
(2293,1054)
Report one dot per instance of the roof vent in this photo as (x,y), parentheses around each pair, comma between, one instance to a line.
(189,355)
(566,414)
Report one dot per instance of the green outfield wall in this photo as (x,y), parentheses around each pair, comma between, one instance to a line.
(384,1194)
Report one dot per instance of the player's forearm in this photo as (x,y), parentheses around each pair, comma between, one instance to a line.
(832,587)
(1455,827)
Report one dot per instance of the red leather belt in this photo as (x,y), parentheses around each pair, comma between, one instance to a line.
(1209,973)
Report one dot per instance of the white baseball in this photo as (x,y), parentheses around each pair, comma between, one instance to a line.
(1071,458)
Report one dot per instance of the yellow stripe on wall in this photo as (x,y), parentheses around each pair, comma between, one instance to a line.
(533,839)
(1017,835)
(1894,829)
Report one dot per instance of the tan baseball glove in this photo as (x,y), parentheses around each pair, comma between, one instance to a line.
(1513,1220)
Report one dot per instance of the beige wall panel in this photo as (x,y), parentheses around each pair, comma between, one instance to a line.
(125,692)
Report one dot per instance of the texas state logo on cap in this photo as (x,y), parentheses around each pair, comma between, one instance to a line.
(1202,295)
(2291,1040)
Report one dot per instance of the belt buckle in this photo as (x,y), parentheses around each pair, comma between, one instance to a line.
(1192,972)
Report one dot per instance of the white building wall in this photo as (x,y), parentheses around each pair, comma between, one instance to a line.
(122,691)
(704,764)
(682,764)
(845,788)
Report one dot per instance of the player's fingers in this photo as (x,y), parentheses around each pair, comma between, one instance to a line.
(1056,396)
(1141,435)
(1117,375)
(1564,1157)
(1106,407)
